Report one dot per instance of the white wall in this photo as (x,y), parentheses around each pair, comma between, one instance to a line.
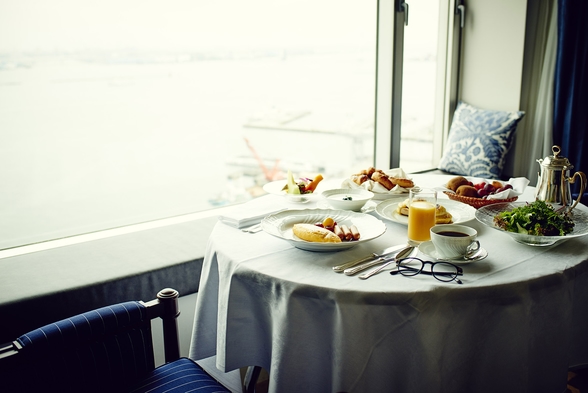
(492,55)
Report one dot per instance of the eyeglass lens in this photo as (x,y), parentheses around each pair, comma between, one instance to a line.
(442,271)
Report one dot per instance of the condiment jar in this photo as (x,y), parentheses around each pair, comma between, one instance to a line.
(554,181)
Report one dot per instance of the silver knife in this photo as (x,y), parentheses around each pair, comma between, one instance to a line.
(356,269)
(385,253)
(387,261)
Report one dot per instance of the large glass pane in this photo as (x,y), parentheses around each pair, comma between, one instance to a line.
(118,112)
(419,86)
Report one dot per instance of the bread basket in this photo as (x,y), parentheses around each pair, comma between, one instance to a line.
(477,202)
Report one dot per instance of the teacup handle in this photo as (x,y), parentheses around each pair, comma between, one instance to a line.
(572,179)
(472,248)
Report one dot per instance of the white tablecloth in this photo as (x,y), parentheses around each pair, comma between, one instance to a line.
(515,325)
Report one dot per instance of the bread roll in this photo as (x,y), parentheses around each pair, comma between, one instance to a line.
(404,183)
(383,179)
(359,179)
(369,171)
(468,191)
(457,181)
(312,233)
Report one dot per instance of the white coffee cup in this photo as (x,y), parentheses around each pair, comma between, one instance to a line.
(454,241)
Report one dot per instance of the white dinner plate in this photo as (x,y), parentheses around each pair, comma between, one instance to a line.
(280,225)
(459,211)
(428,248)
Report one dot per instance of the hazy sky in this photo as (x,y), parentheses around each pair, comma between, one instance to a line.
(181,24)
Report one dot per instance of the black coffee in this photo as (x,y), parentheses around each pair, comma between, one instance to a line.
(452,234)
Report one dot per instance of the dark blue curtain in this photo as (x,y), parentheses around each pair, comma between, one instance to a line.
(570,116)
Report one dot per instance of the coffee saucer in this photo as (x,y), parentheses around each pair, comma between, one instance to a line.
(428,248)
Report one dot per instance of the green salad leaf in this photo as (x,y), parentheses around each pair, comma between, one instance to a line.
(537,218)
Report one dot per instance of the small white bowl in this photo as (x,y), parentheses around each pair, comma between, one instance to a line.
(347,198)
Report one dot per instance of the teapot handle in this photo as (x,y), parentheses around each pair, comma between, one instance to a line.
(572,179)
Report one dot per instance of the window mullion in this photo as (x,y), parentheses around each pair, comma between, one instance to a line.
(389,84)
(449,44)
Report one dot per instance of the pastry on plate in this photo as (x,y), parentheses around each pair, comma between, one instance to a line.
(442,216)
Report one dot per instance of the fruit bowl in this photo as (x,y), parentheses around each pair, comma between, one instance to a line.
(477,202)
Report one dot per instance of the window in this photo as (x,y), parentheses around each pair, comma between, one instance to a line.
(413,100)
(419,86)
(115,113)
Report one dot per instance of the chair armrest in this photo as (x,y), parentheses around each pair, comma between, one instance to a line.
(166,307)
(9,349)
(11,368)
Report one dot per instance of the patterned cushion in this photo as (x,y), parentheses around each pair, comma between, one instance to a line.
(478,141)
(183,375)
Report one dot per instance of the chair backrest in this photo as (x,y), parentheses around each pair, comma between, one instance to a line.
(104,350)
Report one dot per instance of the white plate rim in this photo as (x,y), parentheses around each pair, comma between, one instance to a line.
(428,248)
(280,225)
(466,212)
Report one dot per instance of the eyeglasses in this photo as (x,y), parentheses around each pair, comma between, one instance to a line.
(442,271)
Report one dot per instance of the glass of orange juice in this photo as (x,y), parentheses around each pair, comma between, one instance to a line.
(421,215)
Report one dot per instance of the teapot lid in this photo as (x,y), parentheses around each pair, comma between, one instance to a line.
(556,161)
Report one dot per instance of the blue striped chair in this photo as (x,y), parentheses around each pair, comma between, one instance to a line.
(106,350)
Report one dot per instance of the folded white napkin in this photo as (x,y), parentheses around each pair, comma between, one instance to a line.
(376,187)
(253,211)
(518,187)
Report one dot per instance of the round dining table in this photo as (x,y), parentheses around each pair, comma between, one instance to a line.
(517,323)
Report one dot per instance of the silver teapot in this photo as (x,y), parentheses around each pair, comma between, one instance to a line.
(554,181)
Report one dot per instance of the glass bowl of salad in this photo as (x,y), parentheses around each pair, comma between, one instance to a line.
(534,223)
